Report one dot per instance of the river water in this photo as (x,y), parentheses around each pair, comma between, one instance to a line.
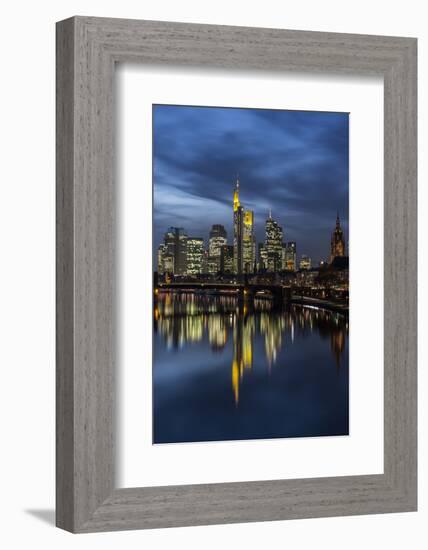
(227,370)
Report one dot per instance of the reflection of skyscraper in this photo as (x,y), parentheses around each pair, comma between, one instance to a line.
(243,335)
(238,230)
(217,333)
(338,344)
(273,244)
(272,329)
(195,254)
(184,319)
(337,241)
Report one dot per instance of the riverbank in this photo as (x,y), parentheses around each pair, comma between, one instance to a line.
(323,304)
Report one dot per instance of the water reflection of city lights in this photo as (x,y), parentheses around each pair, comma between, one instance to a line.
(185,318)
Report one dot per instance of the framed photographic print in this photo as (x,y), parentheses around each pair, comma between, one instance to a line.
(231,361)
(236,274)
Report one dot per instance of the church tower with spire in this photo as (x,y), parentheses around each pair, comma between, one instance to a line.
(337,247)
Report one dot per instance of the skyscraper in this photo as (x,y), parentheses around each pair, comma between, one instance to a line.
(248,242)
(273,244)
(238,230)
(337,247)
(305,262)
(160,258)
(195,254)
(217,239)
(212,264)
(262,257)
(168,263)
(226,259)
(290,256)
(244,242)
(175,242)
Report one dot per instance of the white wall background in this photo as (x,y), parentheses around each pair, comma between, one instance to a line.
(27,272)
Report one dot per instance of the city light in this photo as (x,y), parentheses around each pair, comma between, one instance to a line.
(239,327)
(250,274)
(188,260)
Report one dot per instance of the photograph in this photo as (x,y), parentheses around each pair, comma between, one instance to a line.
(251,274)
(210,300)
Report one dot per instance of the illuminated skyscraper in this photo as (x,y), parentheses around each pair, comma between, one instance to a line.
(273,244)
(226,259)
(168,263)
(218,238)
(305,262)
(212,265)
(175,242)
(248,244)
(337,241)
(262,257)
(238,230)
(195,254)
(290,256)
(244,242)
(160,258)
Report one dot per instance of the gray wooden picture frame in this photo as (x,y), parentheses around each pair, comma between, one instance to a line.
(87,50)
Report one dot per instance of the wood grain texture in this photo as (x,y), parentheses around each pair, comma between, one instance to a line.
(87,49)
(64,276)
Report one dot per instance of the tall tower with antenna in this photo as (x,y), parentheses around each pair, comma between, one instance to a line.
(238,231)
(236,203)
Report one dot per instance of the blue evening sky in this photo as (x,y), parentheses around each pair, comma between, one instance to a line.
(294,162)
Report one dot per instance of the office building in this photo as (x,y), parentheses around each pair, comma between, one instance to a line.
(305,262)
(290,256)
(175,242)
(273,245)
(248,244)
(195,254)
(226,259)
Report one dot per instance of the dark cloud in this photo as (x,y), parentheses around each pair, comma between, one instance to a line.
(295,162)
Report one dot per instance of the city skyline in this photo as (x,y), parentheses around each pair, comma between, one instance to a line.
(304,189)
(251,274)
(181,254)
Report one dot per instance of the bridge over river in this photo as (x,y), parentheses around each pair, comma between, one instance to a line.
(245,290)
(279,293)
